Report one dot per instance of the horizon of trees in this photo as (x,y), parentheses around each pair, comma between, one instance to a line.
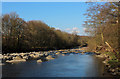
(21,36)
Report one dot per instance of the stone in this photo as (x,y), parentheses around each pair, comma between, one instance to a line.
(57,52)
(39,61)
(64,52)
(49,57)
(15,61)
(17,58)
(25,57)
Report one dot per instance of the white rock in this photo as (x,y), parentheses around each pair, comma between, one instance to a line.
(15,61)
(49,57)
(39,61)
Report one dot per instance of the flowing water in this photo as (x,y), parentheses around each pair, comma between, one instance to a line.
(72,65)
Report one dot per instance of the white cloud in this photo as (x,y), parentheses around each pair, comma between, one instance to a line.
(67,29)
(75,28)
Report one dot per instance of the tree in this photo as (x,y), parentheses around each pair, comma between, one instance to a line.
(21,36)
(102,23)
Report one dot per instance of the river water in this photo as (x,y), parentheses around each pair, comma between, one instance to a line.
(72,65)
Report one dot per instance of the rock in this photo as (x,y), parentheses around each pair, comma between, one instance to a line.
(100,56)
(39,61)
(64,52)
(60,50)
(104,61)
(109,66)
(112,70)
(31,55)
(7,57)
(17,58)
(22,54)
(40,54)
(49,57)
(15,61)
(36,56)
(57,52)
(25,57)
(46,54)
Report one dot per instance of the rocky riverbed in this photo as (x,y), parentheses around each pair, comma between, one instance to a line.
(40,56)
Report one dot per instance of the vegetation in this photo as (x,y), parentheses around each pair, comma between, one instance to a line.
(103,25)
(21,36)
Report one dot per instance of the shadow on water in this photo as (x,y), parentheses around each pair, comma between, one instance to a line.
(70,65)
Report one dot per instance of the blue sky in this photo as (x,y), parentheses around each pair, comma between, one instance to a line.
(66,16)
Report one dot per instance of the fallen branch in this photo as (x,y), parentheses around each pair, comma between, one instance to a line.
(108,45)
(111,49)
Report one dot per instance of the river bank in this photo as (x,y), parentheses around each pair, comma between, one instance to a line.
(111,64)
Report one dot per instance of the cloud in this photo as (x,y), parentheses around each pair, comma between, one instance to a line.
(75,31)
(74,28)
(67,29)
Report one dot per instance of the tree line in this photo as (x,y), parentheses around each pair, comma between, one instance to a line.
(103,25)
(21,36)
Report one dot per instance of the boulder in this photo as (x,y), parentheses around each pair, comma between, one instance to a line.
(34,56)
(22,54)
(64,52)
(15,61)
(25,57)
(5,57)
(49,57)
(39,61)
(17,58)
(57,53)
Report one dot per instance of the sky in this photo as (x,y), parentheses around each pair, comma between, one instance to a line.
(66,16)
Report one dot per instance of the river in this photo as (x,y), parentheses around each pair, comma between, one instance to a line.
(72,65)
